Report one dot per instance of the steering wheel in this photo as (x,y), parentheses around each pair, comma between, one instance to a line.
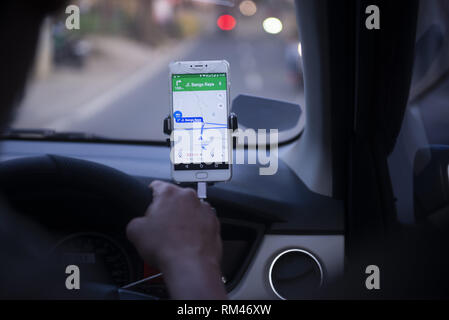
(73,191)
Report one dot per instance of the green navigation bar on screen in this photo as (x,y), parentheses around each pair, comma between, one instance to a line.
(199,82)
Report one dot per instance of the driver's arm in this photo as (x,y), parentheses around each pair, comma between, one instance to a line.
(180,235)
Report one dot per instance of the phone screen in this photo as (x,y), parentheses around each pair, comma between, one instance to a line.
(200,118)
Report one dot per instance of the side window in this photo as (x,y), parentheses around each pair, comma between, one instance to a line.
(430,86)
(417,166)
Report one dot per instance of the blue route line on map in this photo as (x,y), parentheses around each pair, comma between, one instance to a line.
(177,116)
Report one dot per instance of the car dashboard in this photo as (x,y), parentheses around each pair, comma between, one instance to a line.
(279,238)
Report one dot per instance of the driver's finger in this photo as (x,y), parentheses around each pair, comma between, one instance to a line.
(154,184)
(157,188)
(161,188)
(133,229)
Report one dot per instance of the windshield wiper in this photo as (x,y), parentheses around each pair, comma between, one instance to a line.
(48,134)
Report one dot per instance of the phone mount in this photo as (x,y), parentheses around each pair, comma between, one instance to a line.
(168,129)
(232,124)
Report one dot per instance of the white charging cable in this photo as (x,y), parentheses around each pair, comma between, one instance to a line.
(132,284)
(201,190)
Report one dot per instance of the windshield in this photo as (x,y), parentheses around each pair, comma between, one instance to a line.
(110,77)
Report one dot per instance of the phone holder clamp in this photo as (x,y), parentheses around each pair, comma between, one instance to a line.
(232,124)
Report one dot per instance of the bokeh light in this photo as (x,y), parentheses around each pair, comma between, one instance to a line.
(248,8)
(226,22)
(272,25)
(300,49)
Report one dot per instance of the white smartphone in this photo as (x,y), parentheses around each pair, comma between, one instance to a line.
(201,142)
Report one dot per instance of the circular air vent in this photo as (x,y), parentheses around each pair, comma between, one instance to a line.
(295,274)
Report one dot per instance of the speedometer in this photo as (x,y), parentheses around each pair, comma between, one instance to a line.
(99,258)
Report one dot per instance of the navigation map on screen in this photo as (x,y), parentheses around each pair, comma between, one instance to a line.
(200,121)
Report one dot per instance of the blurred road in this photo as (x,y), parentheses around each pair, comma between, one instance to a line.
(135,109)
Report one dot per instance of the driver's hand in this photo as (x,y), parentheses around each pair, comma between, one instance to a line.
(180,235)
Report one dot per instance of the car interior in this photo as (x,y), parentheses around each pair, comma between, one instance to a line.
(359,176)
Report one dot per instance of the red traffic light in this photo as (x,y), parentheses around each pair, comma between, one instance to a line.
(226,22)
